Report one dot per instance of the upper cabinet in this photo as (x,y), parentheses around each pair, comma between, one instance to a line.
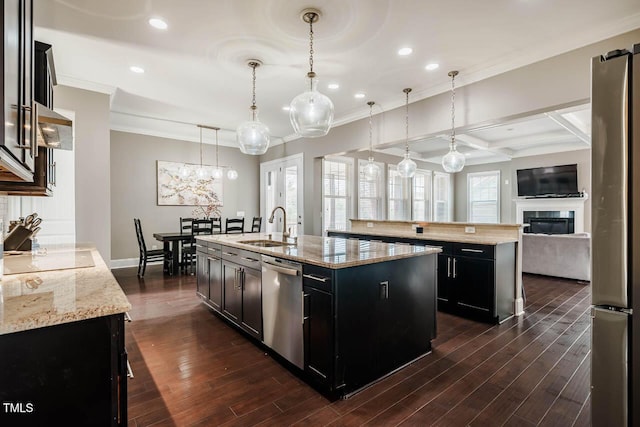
(17,147)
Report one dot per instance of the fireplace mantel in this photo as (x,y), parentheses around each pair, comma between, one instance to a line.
(575,204)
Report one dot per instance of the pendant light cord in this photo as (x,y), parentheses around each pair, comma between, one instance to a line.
(200,148)
(217,167)
(311,19)
(406,121)
(253,99)
(370,130)
(453,109)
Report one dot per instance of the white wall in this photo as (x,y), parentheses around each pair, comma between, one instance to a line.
(92,169)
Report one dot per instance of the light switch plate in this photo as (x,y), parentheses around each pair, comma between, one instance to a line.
(469,229)
(370,225)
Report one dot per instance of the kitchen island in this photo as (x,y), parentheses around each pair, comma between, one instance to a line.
(479,268)
(354,311)
(62,340)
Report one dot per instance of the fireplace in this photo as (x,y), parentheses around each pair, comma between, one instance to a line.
(549,222)
(551,215)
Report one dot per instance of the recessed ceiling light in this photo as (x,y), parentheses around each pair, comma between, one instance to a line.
(158,23)
(286,108)
(333,86)
(359,95)
(405,51)
(136,69)
(432,66)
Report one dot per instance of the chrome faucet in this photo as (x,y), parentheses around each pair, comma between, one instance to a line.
(285,233)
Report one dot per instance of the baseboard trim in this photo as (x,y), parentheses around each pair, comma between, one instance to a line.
(519,307)
(129,262)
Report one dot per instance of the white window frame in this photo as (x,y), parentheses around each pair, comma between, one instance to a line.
(429,197)
(406,189)
(449,204)
(472,175)
(381,184)
(349,188)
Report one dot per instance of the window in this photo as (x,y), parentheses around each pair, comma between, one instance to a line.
(399,199)
(337,181)
(441,196)
(421,196)
(370,193)
(483,191)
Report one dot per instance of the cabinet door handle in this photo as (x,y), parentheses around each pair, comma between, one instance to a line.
(242,279)
(303,307)
(129,370)
(384,290)
(454,268)
(448,266)
(478,251)
(314,277)
(250,259)
(229,254)
(54,172)
(127,317)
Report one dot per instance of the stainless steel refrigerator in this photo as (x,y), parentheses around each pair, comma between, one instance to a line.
(615,216)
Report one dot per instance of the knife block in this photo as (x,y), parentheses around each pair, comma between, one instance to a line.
(19,239)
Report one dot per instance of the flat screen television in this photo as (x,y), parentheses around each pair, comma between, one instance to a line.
(560,181)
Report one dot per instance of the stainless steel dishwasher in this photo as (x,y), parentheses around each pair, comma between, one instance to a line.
(282,309)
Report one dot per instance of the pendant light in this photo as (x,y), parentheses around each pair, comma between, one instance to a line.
(232,174)
(253,136)
(311,113)
(407,167)
(201,172)
(217,171)
(453,161)
(371,170)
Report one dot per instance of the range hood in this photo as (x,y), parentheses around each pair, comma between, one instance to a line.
(53,129)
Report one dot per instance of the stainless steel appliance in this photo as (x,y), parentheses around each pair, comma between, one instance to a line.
(615,213)
(282,310)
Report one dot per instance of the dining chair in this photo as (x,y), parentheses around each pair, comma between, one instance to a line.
(198,227)
(185,225)
(150,255)
(256,224)
(234,225)
(217,225)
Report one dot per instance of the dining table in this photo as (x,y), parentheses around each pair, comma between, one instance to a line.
(171,243)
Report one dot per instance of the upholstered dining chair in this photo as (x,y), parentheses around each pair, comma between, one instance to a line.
(256,224)
(198,227)
(234,225)
(150,255)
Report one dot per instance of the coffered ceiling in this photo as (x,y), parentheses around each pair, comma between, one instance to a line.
(195,71)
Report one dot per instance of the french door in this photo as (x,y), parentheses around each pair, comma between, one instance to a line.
(281,184)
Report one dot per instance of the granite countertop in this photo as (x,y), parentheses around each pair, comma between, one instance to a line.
(467,238)
(327,252)
(45,296)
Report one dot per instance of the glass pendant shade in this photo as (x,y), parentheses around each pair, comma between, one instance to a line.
(371,170)
(253,136)
(184,171)
(217,173)
(232,174)
(311,113)
(453,161)
(201,173)
(407,167)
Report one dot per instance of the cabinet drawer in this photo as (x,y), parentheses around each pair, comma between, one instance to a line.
(472,250)
(317,277)
(239,256)
(214,250)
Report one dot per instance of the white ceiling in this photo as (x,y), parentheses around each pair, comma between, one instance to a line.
(196,72)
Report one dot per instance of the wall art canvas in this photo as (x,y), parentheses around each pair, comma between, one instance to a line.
(174,189)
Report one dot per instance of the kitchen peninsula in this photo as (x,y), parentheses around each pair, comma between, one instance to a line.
(62,340)
(339,312)
(479,268)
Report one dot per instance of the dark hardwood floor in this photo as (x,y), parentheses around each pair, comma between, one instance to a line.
(192,369)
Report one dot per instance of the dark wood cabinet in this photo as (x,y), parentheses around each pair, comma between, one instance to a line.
(75,373)
(44,170)
(215,277)
(476,281)
(318,325)
(232,288)
(241,289)
(202,273)
(17,146)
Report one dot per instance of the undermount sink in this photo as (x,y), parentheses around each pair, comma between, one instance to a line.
(265,243)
